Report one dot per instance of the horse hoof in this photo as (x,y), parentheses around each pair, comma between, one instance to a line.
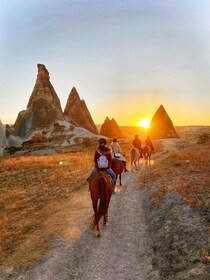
(106,224)
(97,234)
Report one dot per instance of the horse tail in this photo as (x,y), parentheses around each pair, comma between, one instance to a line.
(103,197)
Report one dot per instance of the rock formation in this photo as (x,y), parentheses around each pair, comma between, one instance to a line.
(111,129)
(77,113)
(43,108)
(2,135)
(161,125)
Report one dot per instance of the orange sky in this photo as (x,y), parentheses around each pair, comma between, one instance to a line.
(125,58)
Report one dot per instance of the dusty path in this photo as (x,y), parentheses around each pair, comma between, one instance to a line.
(123,251)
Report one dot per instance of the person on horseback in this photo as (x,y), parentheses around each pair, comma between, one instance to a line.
(102,160)
(137,144)
(148,142)
(117,152)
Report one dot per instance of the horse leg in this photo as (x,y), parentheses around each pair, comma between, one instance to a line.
(95,225)
(120,180)
(106,209)
(132,166)
(105,219)
(114,186)
(135,163)
(138,164)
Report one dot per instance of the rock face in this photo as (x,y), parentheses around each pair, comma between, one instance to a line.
(77,113)
(161,125)
(43,108)
(2,135)
(111,129)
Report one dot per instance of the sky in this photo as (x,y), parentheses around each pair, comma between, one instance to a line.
(125,57)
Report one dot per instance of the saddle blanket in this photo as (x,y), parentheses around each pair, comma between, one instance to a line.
(118,156)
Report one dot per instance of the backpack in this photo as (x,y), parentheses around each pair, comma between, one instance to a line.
(102,161)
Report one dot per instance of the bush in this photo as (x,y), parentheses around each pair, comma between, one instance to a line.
(203,138)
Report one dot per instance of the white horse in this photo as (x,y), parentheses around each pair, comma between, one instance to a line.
(135,158)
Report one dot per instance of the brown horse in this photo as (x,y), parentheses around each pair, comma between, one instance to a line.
(117,166)
(147,152)
(101,187)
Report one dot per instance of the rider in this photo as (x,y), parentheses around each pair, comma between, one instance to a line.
(137,144)
(103,156)
(148,142)
(117,149)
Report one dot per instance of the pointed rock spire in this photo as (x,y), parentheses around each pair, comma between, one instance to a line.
(110,129)
(77,112)
(161,125)
(43,108)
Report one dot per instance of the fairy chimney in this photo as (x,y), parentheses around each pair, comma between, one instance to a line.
(111,129)
(43,108)
(77,113)
(161,125)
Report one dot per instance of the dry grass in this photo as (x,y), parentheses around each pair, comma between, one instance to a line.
(185,172)
(32,190)
(180,237)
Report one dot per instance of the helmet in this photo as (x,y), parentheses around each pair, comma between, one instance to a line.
(115,140)
(102,141)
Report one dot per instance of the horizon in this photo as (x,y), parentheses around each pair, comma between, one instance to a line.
(124,58)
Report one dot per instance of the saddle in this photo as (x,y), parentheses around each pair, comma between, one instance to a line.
(117,155)
(98,173)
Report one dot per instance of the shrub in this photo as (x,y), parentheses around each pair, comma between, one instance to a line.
(203,138)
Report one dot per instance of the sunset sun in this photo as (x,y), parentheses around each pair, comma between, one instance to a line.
(144,123)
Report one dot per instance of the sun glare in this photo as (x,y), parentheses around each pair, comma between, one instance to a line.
(144,123)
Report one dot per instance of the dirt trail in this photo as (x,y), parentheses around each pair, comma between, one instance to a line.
(123,251)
